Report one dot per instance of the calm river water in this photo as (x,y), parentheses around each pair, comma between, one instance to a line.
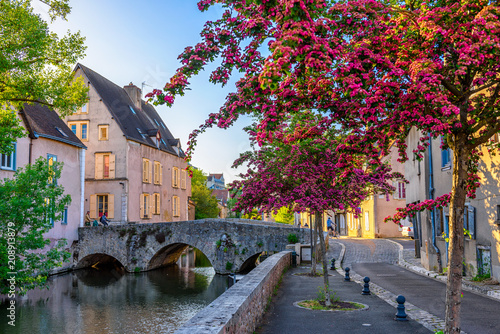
(111,301)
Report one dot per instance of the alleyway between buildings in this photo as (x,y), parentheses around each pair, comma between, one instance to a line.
(377,259)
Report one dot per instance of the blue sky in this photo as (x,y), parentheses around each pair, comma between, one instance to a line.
(137,41)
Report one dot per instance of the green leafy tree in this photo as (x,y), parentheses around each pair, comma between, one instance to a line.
(206,203)
(29,203)
(284,215)
(234,194)
(35,64)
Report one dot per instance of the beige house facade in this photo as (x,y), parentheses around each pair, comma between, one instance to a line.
(135,169)
(48,136)
(432,177)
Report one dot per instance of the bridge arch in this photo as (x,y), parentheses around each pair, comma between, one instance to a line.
(99,259)
(231,245)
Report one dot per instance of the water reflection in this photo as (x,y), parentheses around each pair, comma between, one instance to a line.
(111,301)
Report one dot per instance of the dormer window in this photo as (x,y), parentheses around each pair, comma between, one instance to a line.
(61,132)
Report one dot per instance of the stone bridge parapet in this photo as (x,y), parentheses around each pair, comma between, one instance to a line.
(231,245)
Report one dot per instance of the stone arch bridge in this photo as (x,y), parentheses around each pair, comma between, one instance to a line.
(231,245)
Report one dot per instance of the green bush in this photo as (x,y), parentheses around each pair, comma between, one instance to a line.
(292,238)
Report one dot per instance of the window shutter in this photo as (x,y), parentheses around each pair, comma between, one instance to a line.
(178,206)
(93,206)
(150,172)
(161,174)
(151,206)
(471,212)
(141,210)
(99,166)
(173,177)
(183,179)
(158,204)
(111,206)
(111,166)
(173,207)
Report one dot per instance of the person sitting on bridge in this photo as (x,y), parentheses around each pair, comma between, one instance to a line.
(104,220)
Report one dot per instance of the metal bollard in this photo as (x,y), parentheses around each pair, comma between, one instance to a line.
(401,314)
(347,277)
(366,287)
(294,259)
(333,264)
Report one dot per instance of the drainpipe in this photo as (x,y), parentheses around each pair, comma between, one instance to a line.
(433,212)
(82,186)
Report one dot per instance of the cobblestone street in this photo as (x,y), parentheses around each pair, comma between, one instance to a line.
(367,251)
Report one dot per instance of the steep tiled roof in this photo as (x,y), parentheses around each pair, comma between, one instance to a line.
(221,195)
(136,124)
(45,122)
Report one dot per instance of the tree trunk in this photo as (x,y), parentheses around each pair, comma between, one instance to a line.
(313,247)
(319,223)
(456,237)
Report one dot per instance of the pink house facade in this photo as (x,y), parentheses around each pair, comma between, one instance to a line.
(48,136)
(135,168)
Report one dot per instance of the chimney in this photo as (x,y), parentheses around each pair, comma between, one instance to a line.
(135,94)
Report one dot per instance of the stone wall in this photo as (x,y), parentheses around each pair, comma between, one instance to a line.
(240,308)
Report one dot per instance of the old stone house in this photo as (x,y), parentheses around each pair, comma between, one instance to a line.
(432,177)
(135,168)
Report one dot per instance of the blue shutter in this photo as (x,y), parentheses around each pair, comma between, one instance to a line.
(471,212)
(445,158)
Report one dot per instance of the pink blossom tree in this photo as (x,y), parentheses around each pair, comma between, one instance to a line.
(376,67)
(306,170)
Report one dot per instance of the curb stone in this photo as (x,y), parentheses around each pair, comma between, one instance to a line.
(426,319)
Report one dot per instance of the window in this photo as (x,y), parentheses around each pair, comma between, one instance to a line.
(175,177)
(83,109)
(158,173)
(445,157)
(440,220)
(146,171)
(80,129)
(64,220)
(100,204)
(103,132)
(51,159)
(367,221)
(104,166)
(400,192)
(176,206)
(156,204)
(144,206)
(183,179)
(469,220)
(8,161)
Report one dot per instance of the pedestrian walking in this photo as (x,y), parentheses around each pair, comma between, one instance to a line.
(329,226)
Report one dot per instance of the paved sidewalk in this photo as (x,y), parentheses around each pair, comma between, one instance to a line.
(490,288)
(283,317)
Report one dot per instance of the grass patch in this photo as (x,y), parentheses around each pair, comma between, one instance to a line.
(480,278)
(335,306)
